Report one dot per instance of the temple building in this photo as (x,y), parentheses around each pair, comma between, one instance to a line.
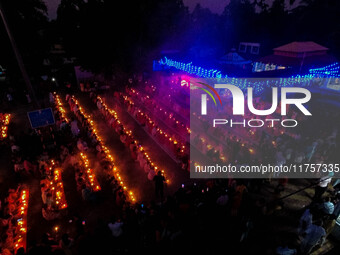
(296,56)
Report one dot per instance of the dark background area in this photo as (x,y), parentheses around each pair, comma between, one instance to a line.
(125,36)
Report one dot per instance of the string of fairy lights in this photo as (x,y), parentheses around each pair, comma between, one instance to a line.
(244,83)
(192,69)
(329,70)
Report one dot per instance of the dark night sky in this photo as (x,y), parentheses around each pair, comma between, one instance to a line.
(216,6)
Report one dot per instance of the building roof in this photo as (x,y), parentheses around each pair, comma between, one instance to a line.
(299,47)
(312,61)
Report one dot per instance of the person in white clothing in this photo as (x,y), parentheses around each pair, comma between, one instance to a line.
(321,187)
(74,128)
(147,167)
(116,228)
(151,174)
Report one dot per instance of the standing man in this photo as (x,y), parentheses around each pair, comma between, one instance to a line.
(159,184)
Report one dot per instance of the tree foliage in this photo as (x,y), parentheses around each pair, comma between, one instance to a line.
(26,19)
(108,36)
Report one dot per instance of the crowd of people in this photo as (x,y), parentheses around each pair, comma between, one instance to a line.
(221,213)
(282,148)
(153,104)
(126,137)
(218,143)
(13,221)
(201,217)
(86,179)
(312,141)
(106,161)
(318,221)
(173,143)
(52,190)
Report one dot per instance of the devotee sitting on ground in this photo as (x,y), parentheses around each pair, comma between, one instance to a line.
(50,213)
(64,152)
(74,128)
(151,174)
(315,235)
(304,222)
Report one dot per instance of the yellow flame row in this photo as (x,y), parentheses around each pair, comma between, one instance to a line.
(4,125)
(20,240)
(89,172)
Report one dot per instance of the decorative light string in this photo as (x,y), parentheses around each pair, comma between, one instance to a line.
(242,83)
(330,70)
(192,69)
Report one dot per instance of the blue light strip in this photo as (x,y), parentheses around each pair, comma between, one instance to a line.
(191,69)
(242,83)
(330,70)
